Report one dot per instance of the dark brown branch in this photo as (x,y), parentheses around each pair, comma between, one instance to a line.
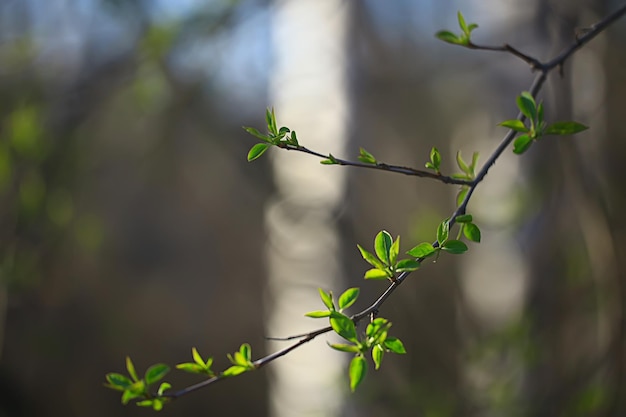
(536,86)
(381,166)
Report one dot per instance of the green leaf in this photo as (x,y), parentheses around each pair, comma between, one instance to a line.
(343,326)
(370,258)
(138,388)
(283,131)
(256,151)
(443,230)
(527,106)
(270,118)
(540,114)
(331,160)
(376,273)
(318,314)
(462,165)
(471,27)
(521,144)
(196,356)
(422,250)
(157,404)
(377,355)
(394,251)
(366,157)
(461,176)
(461,195)
(294,138)
(191,367)
(145,403)
(358,369)
(472,232)
(514,124)
(130,395)
(394,345)
(448,37)
(257,134)
(564,128)
(235,370)
(475,156)
(345,347)
(454,246)
(348,298)
(435,158)
(464,218)
(376,325)
(382,245)
(156,372)
(118,382)
(164,387)
(246,351)
(462,23)
(407,265)
(131,369)
(327,298)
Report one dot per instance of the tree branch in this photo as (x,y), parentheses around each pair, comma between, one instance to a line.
(535,88)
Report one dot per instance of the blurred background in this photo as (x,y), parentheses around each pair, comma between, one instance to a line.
(131,223)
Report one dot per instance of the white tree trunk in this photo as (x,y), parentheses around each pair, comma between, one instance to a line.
(308,91)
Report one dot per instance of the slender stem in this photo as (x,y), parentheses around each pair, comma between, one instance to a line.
(380,166)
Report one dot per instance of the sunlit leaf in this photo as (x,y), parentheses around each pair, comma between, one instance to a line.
(156,372)
(257,134)
(118,382)
(130,367)
(343,326)
(394,345)
(235,370)
(422,250)
(327,298)
(377,355)
(461,195)
(358,369)
(345,347)
(407,265)
(394,251)
(514,124)
(382,245)
(246,351)
(256,151)
(462,165)
(318,314)
(366,157)
(370,258)
(348,298)
(376,273)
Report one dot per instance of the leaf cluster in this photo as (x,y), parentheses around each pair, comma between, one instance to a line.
(536,127)
(135,388)
(463,38)
(386,264)
(275,136)
(375,337)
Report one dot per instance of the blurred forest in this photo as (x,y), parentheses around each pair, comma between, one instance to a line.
(131,223)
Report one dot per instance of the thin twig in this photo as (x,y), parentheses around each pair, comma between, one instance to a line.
(380,166)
